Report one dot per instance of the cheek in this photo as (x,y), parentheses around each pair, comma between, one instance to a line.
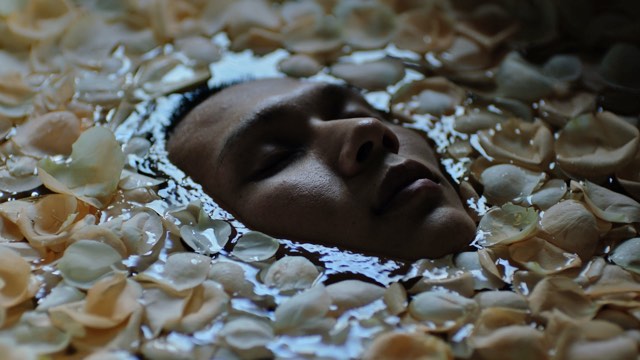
(302,193)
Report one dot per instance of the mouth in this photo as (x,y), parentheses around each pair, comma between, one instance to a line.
(402,183)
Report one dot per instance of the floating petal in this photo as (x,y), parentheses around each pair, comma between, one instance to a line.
(93,172)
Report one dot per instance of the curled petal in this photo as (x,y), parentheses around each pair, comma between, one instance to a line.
(248,337)
(627,255)
(514,339)
(396,345)
(595,146)
(559,111)
(48,222)
(442,311)
(41,20)
(92,174)
(424,29)
(435,96)
(182,271)
(608,205)
(16,282)
(548,195)
(526,144)
(507,224)
(561,294)
(518,79)
(49,134)
(36,331)
(207,301)
(366,25)
(629,177)
(542,257)
(303,309)
(572,227)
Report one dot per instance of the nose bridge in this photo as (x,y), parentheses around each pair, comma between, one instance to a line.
(350,144)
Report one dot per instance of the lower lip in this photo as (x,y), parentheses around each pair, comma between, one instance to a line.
(423,189)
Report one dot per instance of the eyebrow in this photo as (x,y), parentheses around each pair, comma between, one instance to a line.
(270,112)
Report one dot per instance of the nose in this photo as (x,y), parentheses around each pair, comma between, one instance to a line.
(361,139)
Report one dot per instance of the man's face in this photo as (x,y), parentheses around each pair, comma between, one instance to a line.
(313,162)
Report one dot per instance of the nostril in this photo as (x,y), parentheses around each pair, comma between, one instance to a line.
(364,151)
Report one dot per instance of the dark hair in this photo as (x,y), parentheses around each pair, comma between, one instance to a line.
(193,98)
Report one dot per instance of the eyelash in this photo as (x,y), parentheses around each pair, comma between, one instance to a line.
(276,163)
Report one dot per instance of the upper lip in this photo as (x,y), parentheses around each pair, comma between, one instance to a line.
(397,178)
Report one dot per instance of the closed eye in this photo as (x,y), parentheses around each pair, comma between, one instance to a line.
(275,162)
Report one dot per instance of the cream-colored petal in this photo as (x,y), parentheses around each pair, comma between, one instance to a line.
(572,227)
(518,79)
(42,19)
(629,177)
(526,144)
(36,331)
(542,257)
(370,75)
(507,224)
(255,246)
(302,309)
(207,301)
(423,29)
(558,112)
(548,195)
(248,337)
(561,294)
(607,204)
(594,146)
(350,294)
(229,274)
(509,183)
(299,65)
(435,95)
(442,311)
(15,278)
(395,297)
(93,172)
(49,134)
(291,272)
(397,345)
(366,25)
(182,271)
(87,261)
(627,255)
(501,299)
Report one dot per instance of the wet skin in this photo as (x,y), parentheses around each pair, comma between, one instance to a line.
(314,162)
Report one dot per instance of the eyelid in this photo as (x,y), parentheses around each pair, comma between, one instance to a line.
(276,161)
